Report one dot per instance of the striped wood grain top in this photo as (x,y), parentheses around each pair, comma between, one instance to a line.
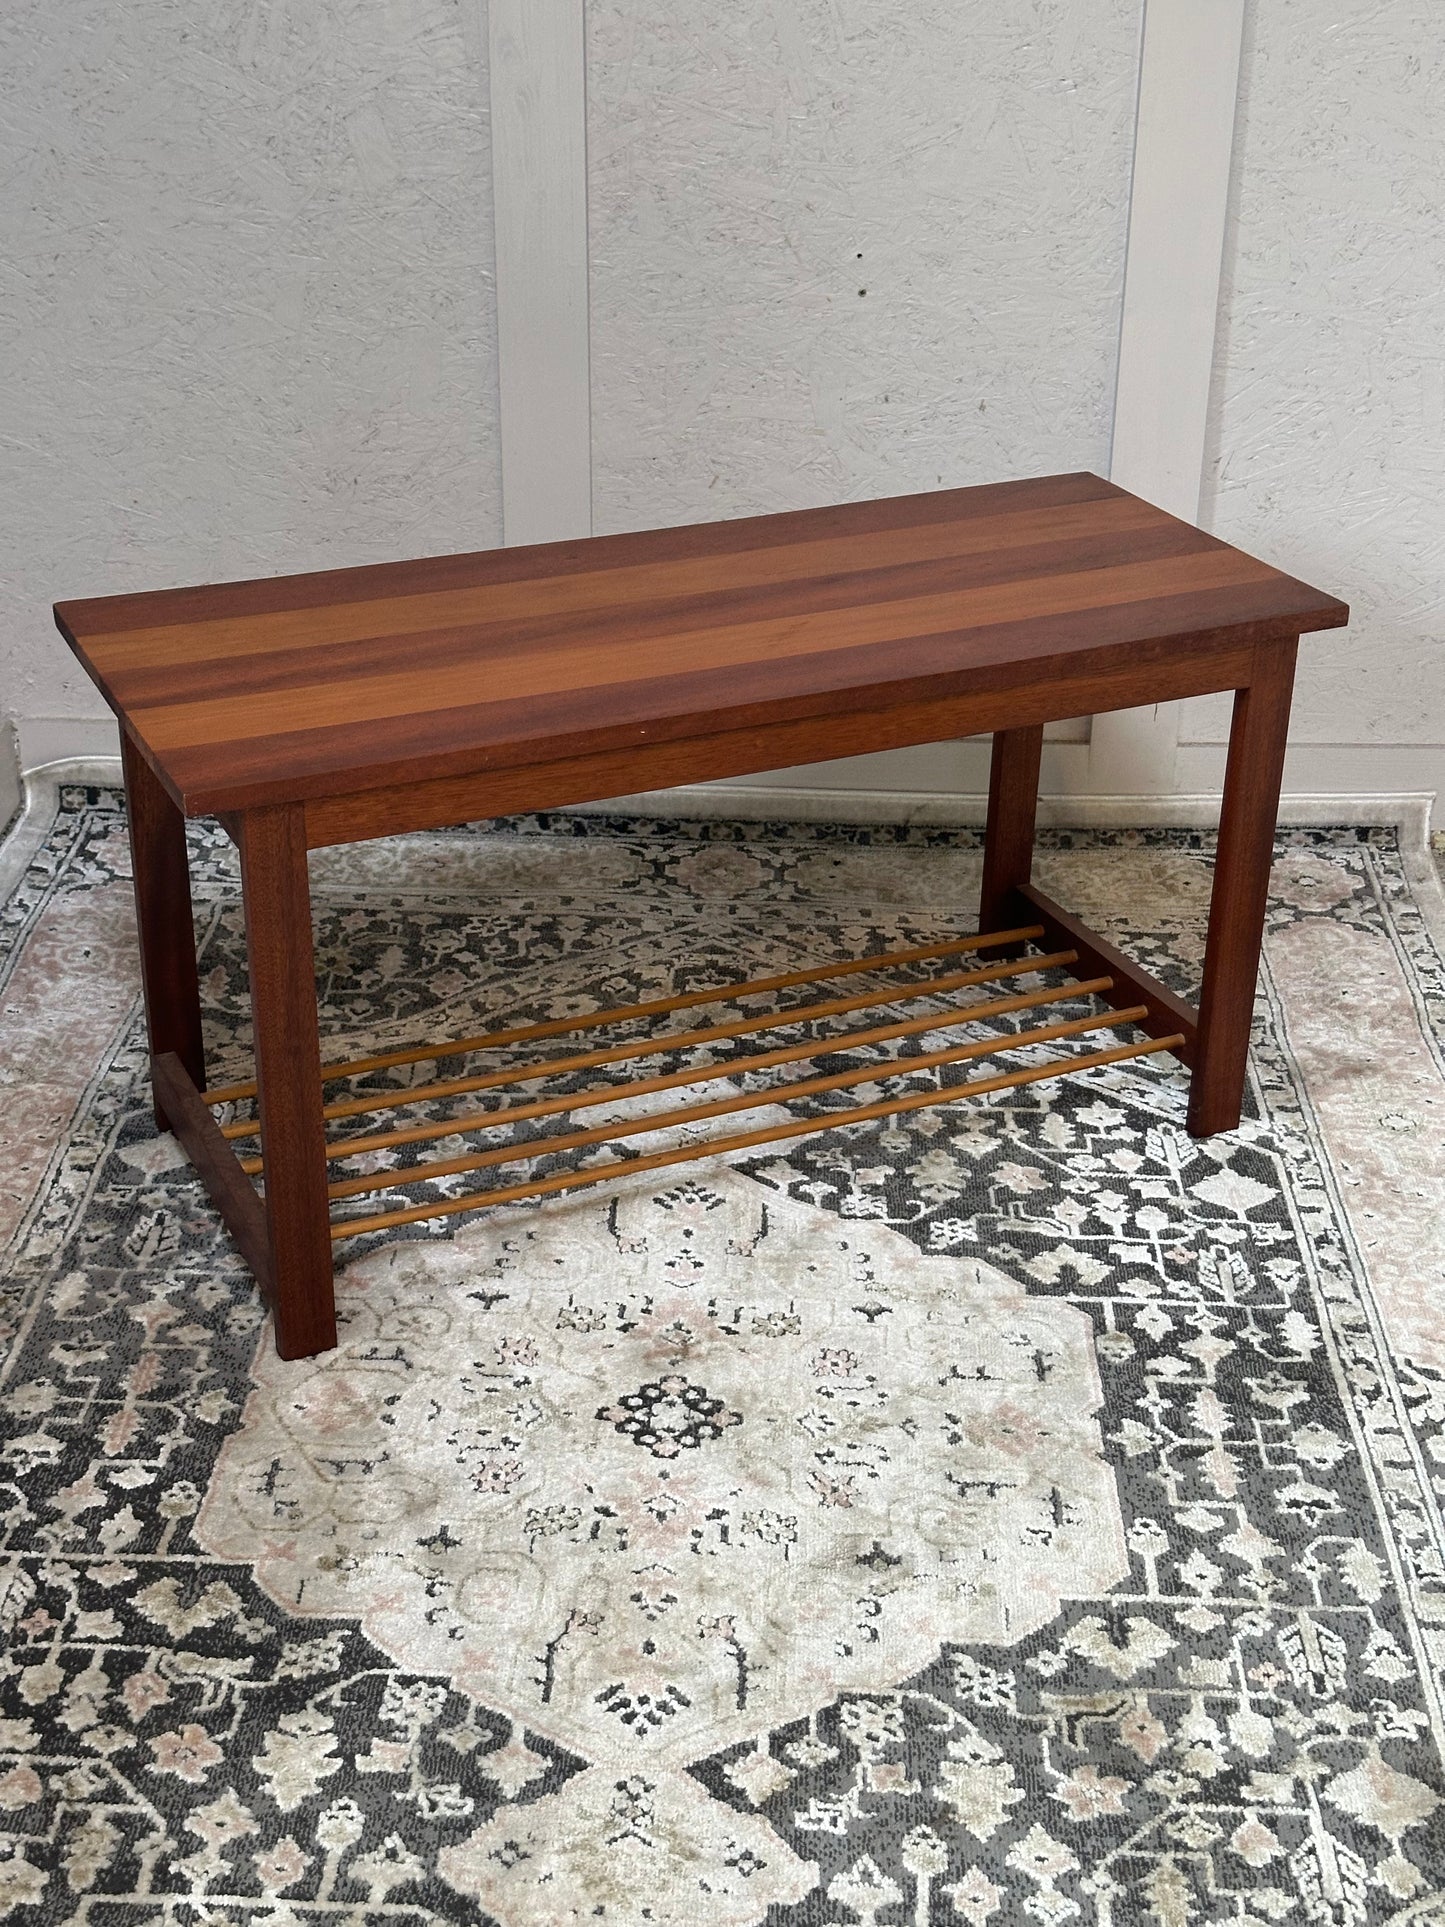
(318,685)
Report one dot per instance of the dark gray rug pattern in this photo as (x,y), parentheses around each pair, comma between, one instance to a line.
(1246,1729)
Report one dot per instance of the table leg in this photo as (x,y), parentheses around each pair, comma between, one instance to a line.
(1008,844)
(1241,886)
(288,1076)
(163,918)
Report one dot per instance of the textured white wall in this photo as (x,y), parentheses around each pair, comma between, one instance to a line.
(246,294)
(840,250)
(1329,414)
(753,167)
(248,308)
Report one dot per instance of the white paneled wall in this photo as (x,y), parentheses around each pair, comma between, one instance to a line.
(1328,434)
(842,250)
(249,319)
(753,257)
(1178,207)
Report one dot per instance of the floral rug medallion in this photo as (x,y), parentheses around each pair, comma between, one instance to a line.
(660,1472)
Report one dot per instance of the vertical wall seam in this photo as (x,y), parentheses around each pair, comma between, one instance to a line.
(536,74)
(1128,238)
(1188,99)
(1187,106)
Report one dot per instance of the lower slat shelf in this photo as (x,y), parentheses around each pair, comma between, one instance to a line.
(714,1147)
(944,998)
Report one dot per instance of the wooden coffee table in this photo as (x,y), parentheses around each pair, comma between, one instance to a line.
(331,708)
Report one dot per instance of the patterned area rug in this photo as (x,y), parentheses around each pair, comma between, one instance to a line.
(1015,1512)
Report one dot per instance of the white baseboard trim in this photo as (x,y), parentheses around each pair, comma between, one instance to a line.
(106,772)
(945,777)
(778,803)
(41,792)
(1355,769)
(49,739)
(1418,859)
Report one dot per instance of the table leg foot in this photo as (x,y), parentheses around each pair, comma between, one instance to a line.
(1241,888)
(288,1077)
(164,922)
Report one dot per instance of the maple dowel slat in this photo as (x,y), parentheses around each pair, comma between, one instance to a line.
(342,1148)
(722,1106)
(717,1147)
(672,1040)
(654,1007)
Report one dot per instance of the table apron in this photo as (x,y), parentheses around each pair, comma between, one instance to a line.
(438,802)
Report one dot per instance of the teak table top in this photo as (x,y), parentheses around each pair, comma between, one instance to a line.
(314,686)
